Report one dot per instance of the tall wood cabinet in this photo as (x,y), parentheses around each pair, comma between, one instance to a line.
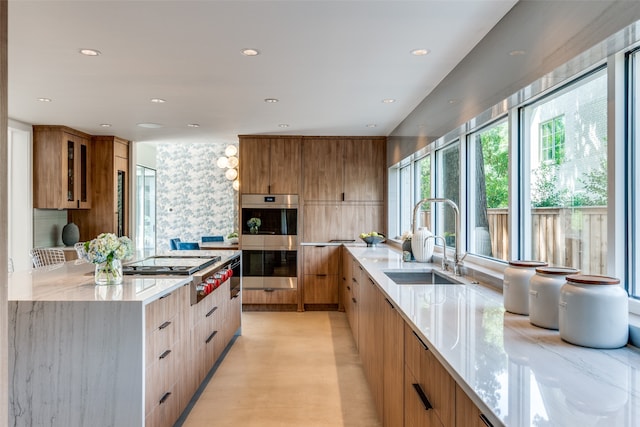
(109,212)
(269,165)
(62,168)
(343,169)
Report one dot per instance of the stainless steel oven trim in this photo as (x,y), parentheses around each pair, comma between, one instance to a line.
(289,201)
(269,242)
(264,282)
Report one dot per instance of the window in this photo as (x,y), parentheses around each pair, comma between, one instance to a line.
(552,140)
(423,190)
(489,191)
(567,170)
(448,176)
(634,178)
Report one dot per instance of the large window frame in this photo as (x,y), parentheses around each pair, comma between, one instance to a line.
(623,160)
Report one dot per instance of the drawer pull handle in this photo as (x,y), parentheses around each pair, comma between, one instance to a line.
(354,300)
(420,339)
(165,397)
(321,275)
(371,280)
(164,296)
(485,420)
(349,287)
(211,311)
(165,354)
(353,279)
(423,397)
(389,302)
(164,325)
(208,340)
(268,290)
(320,246)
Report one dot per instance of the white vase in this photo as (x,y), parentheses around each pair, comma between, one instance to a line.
(421,247)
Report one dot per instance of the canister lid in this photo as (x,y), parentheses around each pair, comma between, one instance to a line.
(560,271)
(586,279)
(523,263)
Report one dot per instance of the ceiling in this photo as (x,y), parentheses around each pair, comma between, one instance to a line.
(330,64)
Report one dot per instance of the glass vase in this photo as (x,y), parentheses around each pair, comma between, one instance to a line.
(253,230)
(109,273)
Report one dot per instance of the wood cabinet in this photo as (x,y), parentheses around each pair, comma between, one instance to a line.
(343,169)
(429,390)
(393,362)
(341,221)
(371,339)
(109,212)
(165,351)
(61,168)
(269,165)
(321,267)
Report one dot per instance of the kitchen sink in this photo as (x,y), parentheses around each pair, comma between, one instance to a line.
(420,277)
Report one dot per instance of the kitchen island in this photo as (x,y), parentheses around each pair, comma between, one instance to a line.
(124,355)
(515,374)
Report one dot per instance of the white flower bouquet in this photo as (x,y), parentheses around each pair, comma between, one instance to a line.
(106,251)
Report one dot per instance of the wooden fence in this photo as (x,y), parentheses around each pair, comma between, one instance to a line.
(572,237)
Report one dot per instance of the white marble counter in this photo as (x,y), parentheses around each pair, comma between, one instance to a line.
(517,374)
(73,281)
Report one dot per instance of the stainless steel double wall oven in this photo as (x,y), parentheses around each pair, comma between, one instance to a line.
(269,253)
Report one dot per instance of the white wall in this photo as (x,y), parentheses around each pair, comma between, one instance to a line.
(20,233)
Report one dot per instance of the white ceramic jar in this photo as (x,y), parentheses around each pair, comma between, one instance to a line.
(594,312)
(544,295)
(421,247)
(515,287)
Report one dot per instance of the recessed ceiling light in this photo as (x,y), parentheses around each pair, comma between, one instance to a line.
(193,125)
(271,100)
(389,101)
(371,125)
(158,100)
(250,52)
(44,99)
(150,125)
(453,101)
(283,125)
(89,52)
(105,125)
(420,52)
(517,53)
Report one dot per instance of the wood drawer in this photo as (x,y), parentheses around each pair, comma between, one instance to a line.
(167,409)
(320,289)
(160,378)
(256,296)
(161,310)
(161,339)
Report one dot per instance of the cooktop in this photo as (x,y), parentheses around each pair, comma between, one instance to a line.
(182,265)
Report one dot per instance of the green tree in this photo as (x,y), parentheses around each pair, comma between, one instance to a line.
(495,153)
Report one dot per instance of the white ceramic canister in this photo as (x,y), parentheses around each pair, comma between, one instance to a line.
(515,287)
(594,312)
(544,295)
(421,247)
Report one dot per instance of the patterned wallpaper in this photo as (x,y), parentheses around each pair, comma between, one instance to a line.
(194,198)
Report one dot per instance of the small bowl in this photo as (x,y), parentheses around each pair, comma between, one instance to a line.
(373,240)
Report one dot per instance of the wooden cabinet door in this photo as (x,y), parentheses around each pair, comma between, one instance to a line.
(254,159)
(371,339)
(321,260)
(356,219)
(321,223)
(284,177)
(467,413)
(393,359)
(320,289)
(322,162)
(364,169)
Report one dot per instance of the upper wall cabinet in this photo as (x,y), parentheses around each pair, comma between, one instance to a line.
(343,169)
(61,168)
(110,175)
(269,165)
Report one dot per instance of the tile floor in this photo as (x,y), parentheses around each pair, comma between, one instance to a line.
(288,369)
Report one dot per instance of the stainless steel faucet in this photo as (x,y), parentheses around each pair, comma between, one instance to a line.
(445,261)
(457,257)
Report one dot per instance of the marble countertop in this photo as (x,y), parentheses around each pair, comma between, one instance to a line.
(74,281)
(516,373)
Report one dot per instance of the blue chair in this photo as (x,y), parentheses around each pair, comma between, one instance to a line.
(174,243)
(187,246)
(212,239)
